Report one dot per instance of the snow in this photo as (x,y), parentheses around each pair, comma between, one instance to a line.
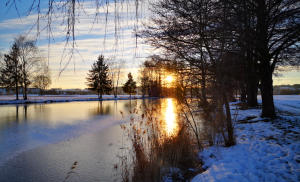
(10,99)
(265,150)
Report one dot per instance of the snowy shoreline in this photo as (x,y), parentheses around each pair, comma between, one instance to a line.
(266,150)
(32,99)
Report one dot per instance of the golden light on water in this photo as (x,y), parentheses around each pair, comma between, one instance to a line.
(171,125)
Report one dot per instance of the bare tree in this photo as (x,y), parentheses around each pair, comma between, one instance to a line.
(144,82)
(29,58)
(115,73)
(277,43)
(152,72)
(268,35)
(42,79)
(197,34)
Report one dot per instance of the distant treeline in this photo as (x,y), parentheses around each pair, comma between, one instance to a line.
(287,89)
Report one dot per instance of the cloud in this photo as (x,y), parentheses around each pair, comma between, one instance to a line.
(289,77)
(113,38)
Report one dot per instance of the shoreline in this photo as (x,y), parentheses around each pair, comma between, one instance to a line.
(68,98)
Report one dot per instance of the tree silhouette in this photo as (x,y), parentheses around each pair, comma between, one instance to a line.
(29,60)
(130,86)
(43,79)
(98,78)
(10,71)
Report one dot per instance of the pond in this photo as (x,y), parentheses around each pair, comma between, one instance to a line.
(74,141)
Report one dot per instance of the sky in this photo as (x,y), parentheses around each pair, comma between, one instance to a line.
(93,37)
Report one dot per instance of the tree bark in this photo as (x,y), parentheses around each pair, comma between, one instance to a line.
(243,92)
(203,86)
(251,80)
(230,140)
(266,71)
(17,91)
(252,86)
(98,92)
(268,109)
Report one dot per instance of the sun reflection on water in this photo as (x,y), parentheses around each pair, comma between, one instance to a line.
(171,125)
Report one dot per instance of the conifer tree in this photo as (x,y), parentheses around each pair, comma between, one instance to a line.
(130,86)
(10,70)
(98,78)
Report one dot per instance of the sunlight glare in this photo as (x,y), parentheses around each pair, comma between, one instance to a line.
(170,118)
(169,79)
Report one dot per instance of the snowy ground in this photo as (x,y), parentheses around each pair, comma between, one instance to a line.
(10,99)
(265,150)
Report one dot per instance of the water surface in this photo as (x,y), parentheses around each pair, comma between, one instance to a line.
(41,142)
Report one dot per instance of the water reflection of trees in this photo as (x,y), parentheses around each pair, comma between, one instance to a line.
(113,107)
(102,109)
(13,114)
(128,107)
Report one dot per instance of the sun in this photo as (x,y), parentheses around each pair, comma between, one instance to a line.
(169,79)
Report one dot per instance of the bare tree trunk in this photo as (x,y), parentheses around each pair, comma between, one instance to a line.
(252,81)
(243,92)
(252,86)
(98,93)
(268,109)
(17,91)
(23,91)
(16,79)
(24,78)
(230,140)
(203,85)
(266,71)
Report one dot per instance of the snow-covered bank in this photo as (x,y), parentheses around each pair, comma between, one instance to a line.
(265,151)
(10,99)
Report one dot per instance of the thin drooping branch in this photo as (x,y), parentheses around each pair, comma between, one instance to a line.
(69,12)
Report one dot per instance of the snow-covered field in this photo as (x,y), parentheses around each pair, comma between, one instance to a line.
(10,99)
(265,150)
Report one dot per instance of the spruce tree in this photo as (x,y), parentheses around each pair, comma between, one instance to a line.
(98,78)
(10,75)
(130,86)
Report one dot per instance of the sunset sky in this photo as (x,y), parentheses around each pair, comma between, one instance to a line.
(90,36)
